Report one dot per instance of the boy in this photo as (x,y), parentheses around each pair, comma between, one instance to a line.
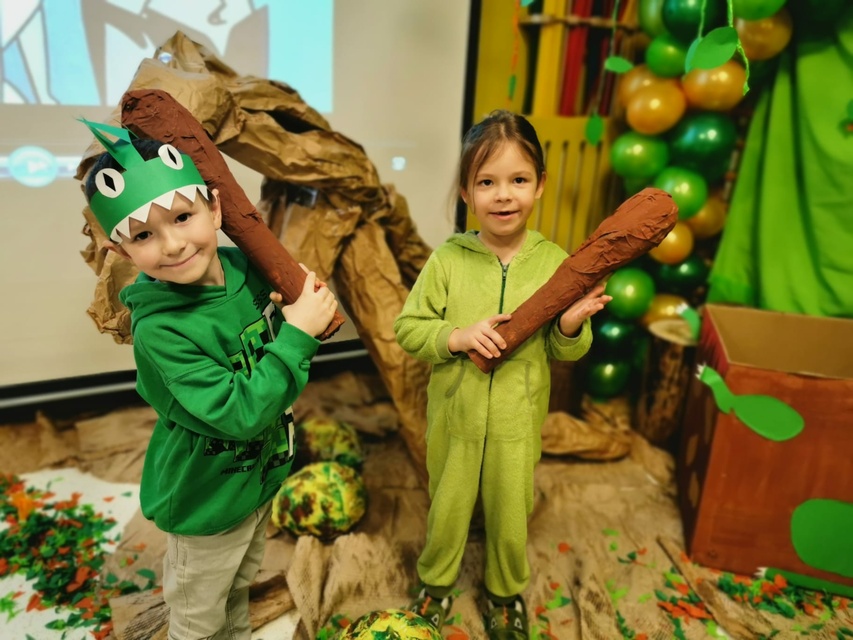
(219,367)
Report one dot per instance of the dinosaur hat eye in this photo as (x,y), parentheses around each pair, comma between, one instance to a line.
(171,157)
(109,182)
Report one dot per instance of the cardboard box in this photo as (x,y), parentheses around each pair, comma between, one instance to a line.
(737,489)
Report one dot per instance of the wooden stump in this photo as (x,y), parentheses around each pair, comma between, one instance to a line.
(566,388)
(667,372)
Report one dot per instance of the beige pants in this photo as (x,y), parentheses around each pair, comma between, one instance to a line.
(206,580)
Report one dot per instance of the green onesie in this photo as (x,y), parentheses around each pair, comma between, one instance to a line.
(483,429)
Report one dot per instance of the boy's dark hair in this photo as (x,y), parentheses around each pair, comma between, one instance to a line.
(147,149)
(487,136)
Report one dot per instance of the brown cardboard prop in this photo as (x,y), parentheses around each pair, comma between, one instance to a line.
(738,490)
(637,225)
(321,194)
(153,113)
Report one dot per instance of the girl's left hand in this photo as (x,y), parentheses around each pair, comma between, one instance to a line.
(586,307)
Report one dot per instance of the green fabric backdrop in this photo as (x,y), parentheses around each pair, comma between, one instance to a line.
(788,241)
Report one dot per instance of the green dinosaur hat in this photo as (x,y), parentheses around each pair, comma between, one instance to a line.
(121,196)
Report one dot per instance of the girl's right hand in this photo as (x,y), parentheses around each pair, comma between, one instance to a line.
(313,310)
(480,336)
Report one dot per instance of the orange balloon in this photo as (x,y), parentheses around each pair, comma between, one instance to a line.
(663,305)
(764,39)
(639,77)
(676,246)
(656,108)
(717,89)
(710,219)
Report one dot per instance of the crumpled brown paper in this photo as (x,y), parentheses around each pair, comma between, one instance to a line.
(322,193)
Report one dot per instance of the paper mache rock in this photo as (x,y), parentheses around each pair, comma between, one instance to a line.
(324,499)
(390,624)
(327,440)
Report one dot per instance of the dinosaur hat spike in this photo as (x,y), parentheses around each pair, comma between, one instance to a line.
(121,196)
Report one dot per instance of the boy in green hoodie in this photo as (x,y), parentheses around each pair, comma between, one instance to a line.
(219,361)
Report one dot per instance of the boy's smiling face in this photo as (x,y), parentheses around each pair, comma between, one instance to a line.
(177,245)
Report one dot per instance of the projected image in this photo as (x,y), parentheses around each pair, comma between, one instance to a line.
(85,52)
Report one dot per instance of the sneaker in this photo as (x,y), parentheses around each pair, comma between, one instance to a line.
(431,609)
(507,621)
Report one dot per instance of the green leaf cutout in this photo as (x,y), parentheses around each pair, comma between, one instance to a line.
(691,53)
(691,317)
(767,416)
(618,64)
(594,129)
(716,48)
(850,110)
(820,531)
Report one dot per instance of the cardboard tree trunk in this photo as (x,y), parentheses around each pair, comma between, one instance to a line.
(321,191)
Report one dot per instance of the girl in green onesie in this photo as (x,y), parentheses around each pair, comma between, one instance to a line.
(483,429)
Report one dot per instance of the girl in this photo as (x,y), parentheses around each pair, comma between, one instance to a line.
(484,429)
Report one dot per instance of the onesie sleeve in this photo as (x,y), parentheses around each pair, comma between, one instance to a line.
(421,329)
(210,399)
(559,347)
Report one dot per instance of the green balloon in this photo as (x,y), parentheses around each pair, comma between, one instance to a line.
(634,155)
(703,142)
(682,278)
(632,290)
(815,18)
(651,20)
(687,188)
(607,378)
(756,9)
(635,185)
(681,17)
(612,336)
(665,56)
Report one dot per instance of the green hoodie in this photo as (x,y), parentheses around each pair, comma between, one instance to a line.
(221,369)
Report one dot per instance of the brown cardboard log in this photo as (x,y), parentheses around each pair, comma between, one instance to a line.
(153,113)
(638,224)
(663,390)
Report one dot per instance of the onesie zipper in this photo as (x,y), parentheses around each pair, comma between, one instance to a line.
(504,269)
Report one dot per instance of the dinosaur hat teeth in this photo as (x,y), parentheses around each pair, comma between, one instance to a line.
(121,196)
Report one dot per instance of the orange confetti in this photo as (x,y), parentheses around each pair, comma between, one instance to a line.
(457,634)
(35,603)
(109,498)
(139,547)
(683,588)
(554,585)
(24,503)
(564,547)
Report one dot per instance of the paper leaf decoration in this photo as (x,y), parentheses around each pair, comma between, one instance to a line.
(594,129)
(820,533)
(618,64)
(716,48)
(767,416)
(691,317)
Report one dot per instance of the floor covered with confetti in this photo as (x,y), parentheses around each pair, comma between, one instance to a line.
(605,543)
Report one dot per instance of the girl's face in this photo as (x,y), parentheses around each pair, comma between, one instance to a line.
(503,193)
